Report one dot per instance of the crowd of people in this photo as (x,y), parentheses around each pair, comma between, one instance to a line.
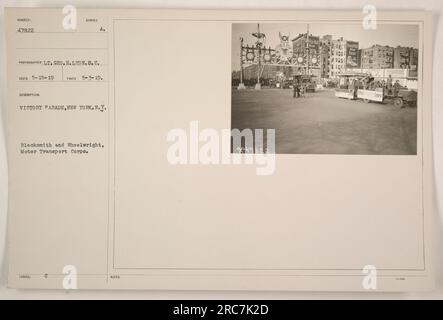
(369,83)
(299,89)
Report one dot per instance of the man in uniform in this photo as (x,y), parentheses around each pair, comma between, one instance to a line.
(296,88)
(389,84)
(397,87)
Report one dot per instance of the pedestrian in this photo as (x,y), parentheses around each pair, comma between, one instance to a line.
(294,89)
(302,90)
(356,85)
(389,85)
(396,89)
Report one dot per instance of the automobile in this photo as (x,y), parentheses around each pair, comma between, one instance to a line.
(307,80)
(401,96)
(345,86)
(287,84)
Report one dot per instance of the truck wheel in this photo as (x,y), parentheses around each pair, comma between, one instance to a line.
(366,100)
(398,102)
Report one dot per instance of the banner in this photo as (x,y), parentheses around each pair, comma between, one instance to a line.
(352,54)
(372,95)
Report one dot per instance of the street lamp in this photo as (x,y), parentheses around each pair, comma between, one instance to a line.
(259,43)
(241,85)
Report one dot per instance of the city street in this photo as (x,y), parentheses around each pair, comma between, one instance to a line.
(320,123)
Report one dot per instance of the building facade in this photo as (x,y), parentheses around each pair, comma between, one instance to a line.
(405,58)
(304,57)
(377,57)
(325,52)
(337,55)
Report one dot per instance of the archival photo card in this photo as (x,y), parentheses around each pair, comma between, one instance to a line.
(220,150)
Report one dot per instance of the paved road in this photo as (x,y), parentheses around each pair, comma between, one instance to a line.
(323,124)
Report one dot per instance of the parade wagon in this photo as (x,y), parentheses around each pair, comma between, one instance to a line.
(345,87)
(404,97)
(400,96)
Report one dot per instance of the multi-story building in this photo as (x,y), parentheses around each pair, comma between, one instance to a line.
(377,57)
(405,58)
(300,54)
(337,57)
(413,63)
(359,57)
(325,52)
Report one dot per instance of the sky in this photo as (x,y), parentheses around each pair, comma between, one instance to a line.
(385,34)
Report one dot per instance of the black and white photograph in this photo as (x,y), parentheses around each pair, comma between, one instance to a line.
(248,151)
(327,88)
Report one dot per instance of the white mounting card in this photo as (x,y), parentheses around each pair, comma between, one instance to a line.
(219,149)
